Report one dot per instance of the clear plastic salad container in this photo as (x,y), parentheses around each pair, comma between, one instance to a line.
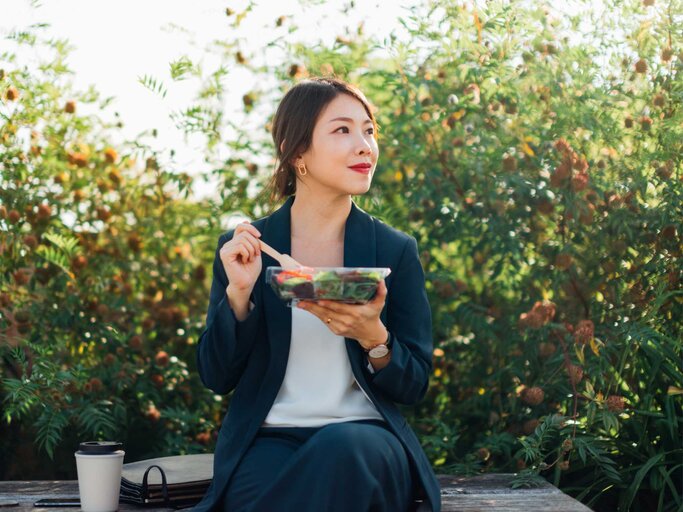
(350,285)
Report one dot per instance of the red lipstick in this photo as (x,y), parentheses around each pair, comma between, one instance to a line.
(362,168)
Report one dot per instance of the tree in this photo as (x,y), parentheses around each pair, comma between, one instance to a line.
(541,176)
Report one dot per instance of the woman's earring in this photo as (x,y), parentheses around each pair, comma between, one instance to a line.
(302,166)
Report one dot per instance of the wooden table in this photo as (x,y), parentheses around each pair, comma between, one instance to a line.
(492,492)
(463,494)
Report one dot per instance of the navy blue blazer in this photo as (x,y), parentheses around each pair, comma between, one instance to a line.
(249,357)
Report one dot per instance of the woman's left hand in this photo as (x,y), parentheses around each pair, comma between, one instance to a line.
(357,321)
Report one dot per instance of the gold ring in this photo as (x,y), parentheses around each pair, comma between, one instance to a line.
(328,320)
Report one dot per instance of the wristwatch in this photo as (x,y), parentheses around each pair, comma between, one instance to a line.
(380,350)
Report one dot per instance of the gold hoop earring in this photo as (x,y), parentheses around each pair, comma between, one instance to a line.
(302,166)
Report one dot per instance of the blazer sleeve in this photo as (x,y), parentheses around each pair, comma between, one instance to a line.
(409,321)
(225,343)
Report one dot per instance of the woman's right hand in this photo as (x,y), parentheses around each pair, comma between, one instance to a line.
(241,258)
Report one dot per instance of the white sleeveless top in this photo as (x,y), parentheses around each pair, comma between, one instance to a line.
(319,386)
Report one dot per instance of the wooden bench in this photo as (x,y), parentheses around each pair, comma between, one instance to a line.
(462,494)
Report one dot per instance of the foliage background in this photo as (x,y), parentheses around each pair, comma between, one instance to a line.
(540,173)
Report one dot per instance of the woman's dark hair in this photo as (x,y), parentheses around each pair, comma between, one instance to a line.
(293,125)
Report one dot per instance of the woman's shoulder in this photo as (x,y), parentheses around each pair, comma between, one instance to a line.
(393,245)
(386,233)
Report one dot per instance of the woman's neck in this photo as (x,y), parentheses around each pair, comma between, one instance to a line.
(319,218)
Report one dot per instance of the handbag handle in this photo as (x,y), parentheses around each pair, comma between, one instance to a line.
(164,486)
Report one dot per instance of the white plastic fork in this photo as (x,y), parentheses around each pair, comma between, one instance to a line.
(285,260)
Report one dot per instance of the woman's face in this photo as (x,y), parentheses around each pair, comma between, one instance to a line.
(343,138)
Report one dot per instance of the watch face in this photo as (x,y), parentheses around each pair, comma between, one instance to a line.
(378,351)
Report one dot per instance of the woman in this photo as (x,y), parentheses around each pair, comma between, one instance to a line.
(313,422)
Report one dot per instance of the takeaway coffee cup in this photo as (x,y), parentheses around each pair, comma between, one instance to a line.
(99,464)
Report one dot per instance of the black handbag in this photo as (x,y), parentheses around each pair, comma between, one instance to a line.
(175,482)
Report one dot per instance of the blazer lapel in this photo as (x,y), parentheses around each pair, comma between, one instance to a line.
(359,239)
(360,250)
(278,316)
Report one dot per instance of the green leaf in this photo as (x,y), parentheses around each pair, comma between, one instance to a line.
(180,67)
(151,83)
(630,494)
(49,427)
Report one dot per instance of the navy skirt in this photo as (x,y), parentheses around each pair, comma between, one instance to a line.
(351,466)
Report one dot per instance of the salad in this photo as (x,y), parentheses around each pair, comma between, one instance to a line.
(351,285)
